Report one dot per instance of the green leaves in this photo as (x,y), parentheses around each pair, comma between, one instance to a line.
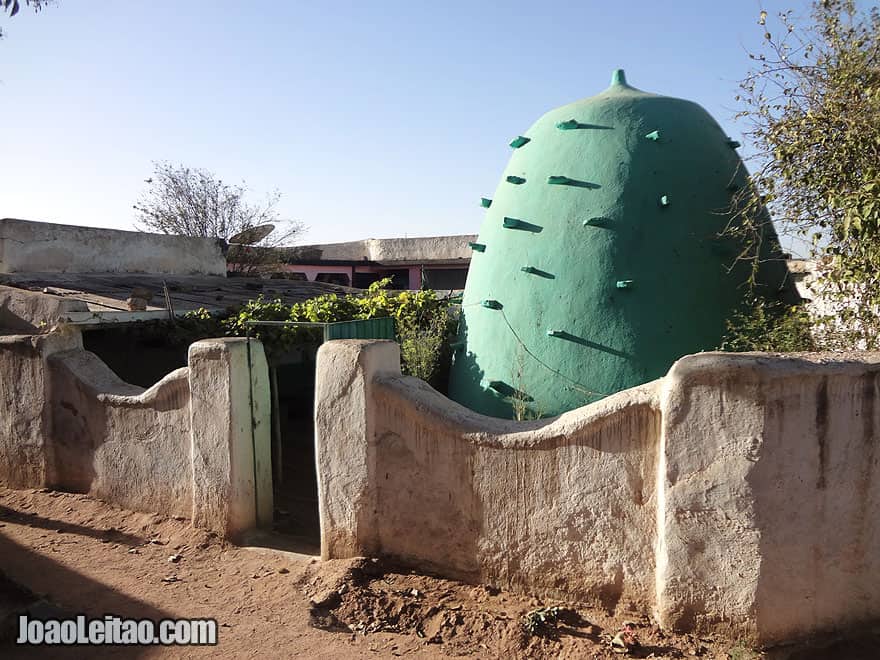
(11,6)
(769,326)
(423,322)
(813,111)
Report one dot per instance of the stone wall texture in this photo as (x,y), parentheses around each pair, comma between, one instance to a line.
(738,494)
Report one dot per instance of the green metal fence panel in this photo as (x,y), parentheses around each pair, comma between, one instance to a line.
(366,329)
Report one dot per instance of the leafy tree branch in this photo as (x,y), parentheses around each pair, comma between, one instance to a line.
(811,104)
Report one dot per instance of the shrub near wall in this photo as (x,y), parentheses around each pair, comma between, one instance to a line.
(424,324)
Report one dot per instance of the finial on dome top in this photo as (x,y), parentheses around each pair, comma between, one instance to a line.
(618,78)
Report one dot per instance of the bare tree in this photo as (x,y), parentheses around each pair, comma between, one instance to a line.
(12,6)
(194,202)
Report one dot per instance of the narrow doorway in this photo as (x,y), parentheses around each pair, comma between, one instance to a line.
(296,482)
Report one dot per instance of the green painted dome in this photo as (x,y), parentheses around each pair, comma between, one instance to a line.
(599,261)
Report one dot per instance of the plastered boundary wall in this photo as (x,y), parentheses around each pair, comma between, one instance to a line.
(738,494)
(45,247)
(186,446)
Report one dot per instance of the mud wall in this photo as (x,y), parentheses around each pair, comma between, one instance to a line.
(119,442)
(195,444)
(769,493)
(737,494)
(26,455)
(563,507)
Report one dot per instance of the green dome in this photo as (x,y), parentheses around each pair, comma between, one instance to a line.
(599,261)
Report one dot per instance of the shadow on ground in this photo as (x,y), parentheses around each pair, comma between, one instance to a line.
(42,588)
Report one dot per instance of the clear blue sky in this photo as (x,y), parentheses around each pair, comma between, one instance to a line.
(372,119)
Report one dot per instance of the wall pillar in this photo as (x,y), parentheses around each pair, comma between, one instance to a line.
(767,497)
(26,433)
(708,539)
(231,429)
(346,443)
(415,278)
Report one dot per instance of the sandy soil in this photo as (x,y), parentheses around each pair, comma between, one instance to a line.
(80,555)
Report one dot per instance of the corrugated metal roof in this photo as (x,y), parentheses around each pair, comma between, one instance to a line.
(108,292)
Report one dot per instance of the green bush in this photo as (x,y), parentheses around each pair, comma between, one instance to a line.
(277,339)
(424,324)
(769,326)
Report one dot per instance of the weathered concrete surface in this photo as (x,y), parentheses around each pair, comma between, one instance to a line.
(25,419)
(119,442)
(29,312)
(738,494)
(231,448)
(185,446)
(388,250)
(345,443)
(44,247)
(560,507)
(769,495)
(563,507)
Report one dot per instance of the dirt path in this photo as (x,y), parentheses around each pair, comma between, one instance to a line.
(84,556)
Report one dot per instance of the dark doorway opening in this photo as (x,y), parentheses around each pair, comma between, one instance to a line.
(445,278)
(296,483)
(399,278)
(333,278)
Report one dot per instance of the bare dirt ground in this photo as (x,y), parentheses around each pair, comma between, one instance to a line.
(80,555)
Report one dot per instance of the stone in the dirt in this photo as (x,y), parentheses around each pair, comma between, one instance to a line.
(326,620)
(326,600)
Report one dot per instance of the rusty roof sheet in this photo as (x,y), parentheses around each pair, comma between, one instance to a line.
(108,292)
